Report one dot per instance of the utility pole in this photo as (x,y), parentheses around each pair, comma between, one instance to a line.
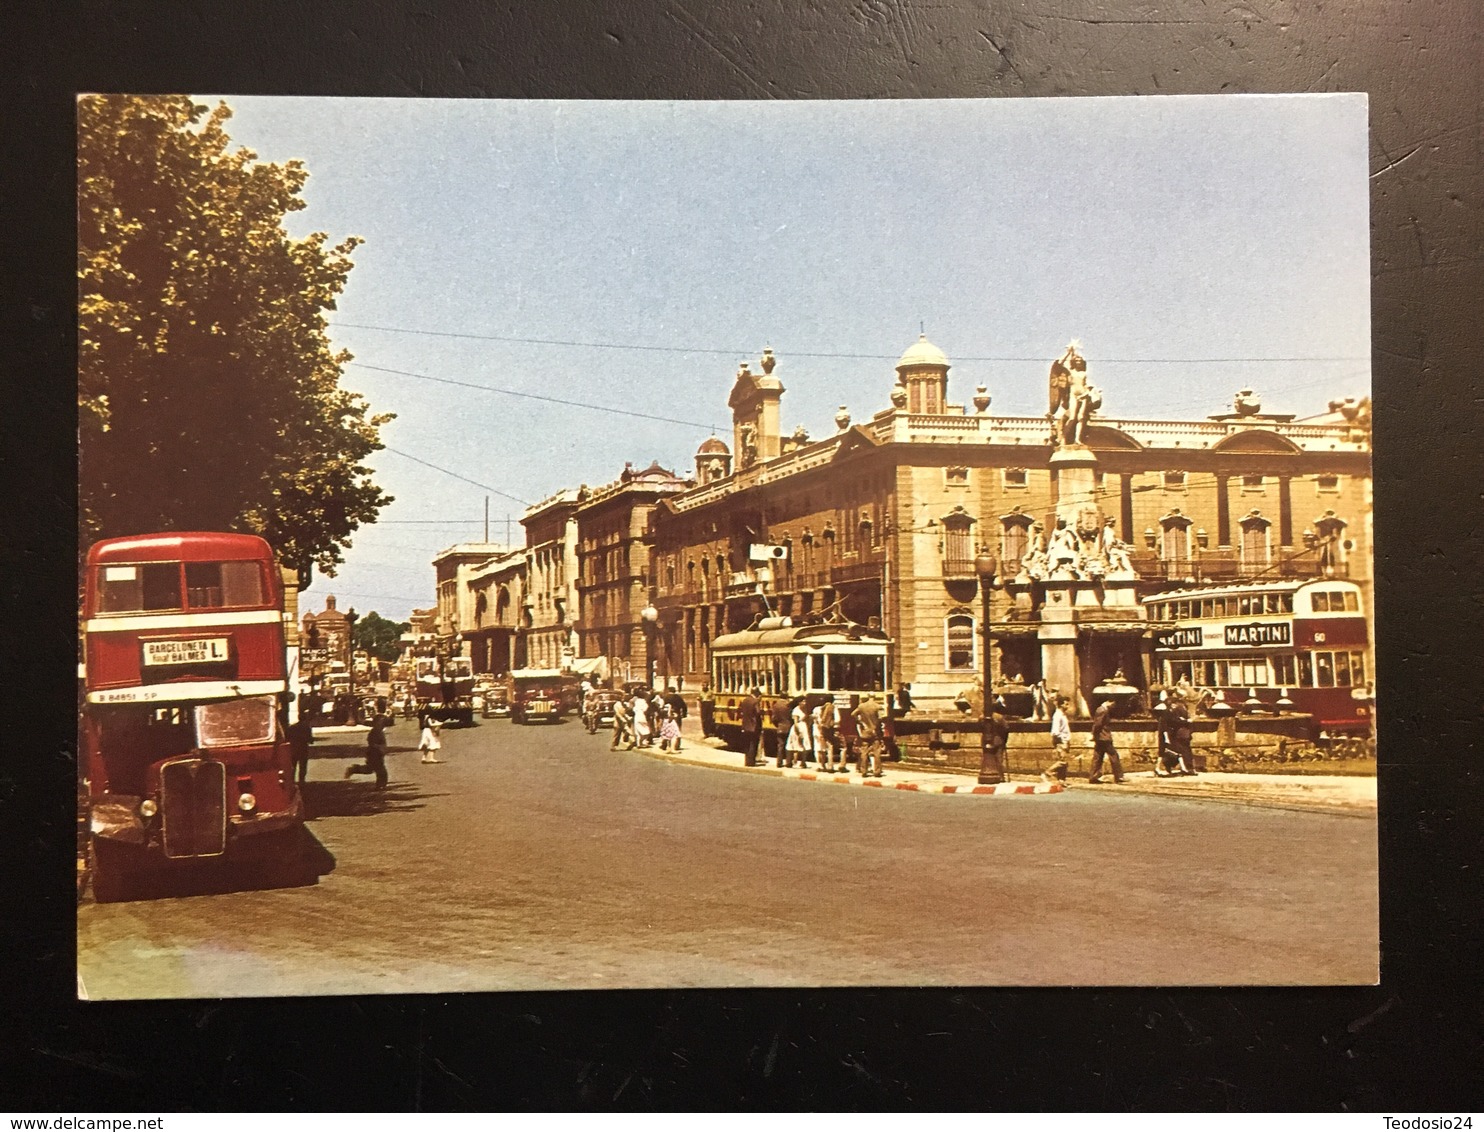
(486,518)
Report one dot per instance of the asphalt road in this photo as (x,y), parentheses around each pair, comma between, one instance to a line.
(536,858)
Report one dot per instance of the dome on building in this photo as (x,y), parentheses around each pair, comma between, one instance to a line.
(922,353)
(713,446)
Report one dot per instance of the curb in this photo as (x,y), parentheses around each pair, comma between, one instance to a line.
(1002,790)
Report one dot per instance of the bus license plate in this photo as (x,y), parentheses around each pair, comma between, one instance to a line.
(203,650)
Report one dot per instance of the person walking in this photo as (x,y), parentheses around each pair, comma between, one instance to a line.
(868,729)
(750,716)
(375,753)
(429,742)
(848,735)
(992,748)
(642,728)
(782,718)
(826,736)
(797,746)
(623,730)
(1102,744)
(1180,737)
(669,728)
(707,703)
(300,735)
(675,702)
(1061,744)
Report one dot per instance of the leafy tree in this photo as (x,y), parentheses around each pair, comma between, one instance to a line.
(208,391)
(379,636)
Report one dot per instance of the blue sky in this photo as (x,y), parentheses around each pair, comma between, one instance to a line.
(1195,246)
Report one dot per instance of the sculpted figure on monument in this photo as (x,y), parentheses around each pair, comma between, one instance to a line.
(1072,399)
(1064,551)
(1034,563)
(749,446)
(1114,550)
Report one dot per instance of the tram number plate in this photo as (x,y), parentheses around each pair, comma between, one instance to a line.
(201,650)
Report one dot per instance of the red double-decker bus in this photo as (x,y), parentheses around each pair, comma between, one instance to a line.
(184,752)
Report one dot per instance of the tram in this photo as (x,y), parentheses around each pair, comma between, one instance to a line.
(184,752)
(1298,646)
(784,659)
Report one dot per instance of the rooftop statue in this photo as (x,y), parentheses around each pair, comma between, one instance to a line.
(1072,398)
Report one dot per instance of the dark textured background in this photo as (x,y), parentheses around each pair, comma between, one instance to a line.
(1417,1041)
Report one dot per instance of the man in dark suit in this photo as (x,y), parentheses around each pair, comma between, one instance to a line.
(750,714)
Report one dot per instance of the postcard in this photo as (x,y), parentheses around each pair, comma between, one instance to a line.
(543,545)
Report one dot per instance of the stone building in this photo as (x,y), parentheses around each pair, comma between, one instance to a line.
(329,632)
(492,611)
(889,520)
(613,563)
(453,568)
(547,636)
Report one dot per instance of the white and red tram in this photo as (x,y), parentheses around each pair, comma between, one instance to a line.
(1306,642)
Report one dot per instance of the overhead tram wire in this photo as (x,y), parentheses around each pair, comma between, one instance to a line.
(535,397)
(735,353)
(455,475)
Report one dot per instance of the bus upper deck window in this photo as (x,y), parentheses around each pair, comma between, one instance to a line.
(223,585)
(1352,602)
(139,588)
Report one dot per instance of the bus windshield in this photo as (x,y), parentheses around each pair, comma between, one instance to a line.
(235,723)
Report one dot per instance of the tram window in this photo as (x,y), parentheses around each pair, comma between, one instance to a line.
(1218,607)
(1319,601)
(1357,668)
(1285,603)
(1342,670)
(1220,674)
(1352,602)
(1180,669)
(1283,671)
(1324,670)
(1305,670)
(854,673)
(1275,603)
(801,674)
(816,673)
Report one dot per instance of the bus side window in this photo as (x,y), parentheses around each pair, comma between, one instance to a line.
(1357,668)
(1305,670)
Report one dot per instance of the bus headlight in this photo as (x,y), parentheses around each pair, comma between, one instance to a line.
(246,803)
(148,808)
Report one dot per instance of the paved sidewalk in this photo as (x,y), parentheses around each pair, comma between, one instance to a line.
(1326,793)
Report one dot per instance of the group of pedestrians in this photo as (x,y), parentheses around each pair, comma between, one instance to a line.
(812,728)
(1174,759)
(646,718)
(429,744)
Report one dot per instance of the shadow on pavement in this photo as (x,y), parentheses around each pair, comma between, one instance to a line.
(293,859)
(361,798)
(355,751)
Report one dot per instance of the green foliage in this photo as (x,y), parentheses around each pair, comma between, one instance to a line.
(378,636)
(208,391)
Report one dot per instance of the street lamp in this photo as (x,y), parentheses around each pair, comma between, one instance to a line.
(991,761)
(648,616)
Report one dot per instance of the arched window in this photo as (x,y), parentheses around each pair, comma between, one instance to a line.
(960,643)
(481,605)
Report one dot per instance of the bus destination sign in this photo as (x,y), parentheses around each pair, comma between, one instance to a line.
(1259,633)
(201,650)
